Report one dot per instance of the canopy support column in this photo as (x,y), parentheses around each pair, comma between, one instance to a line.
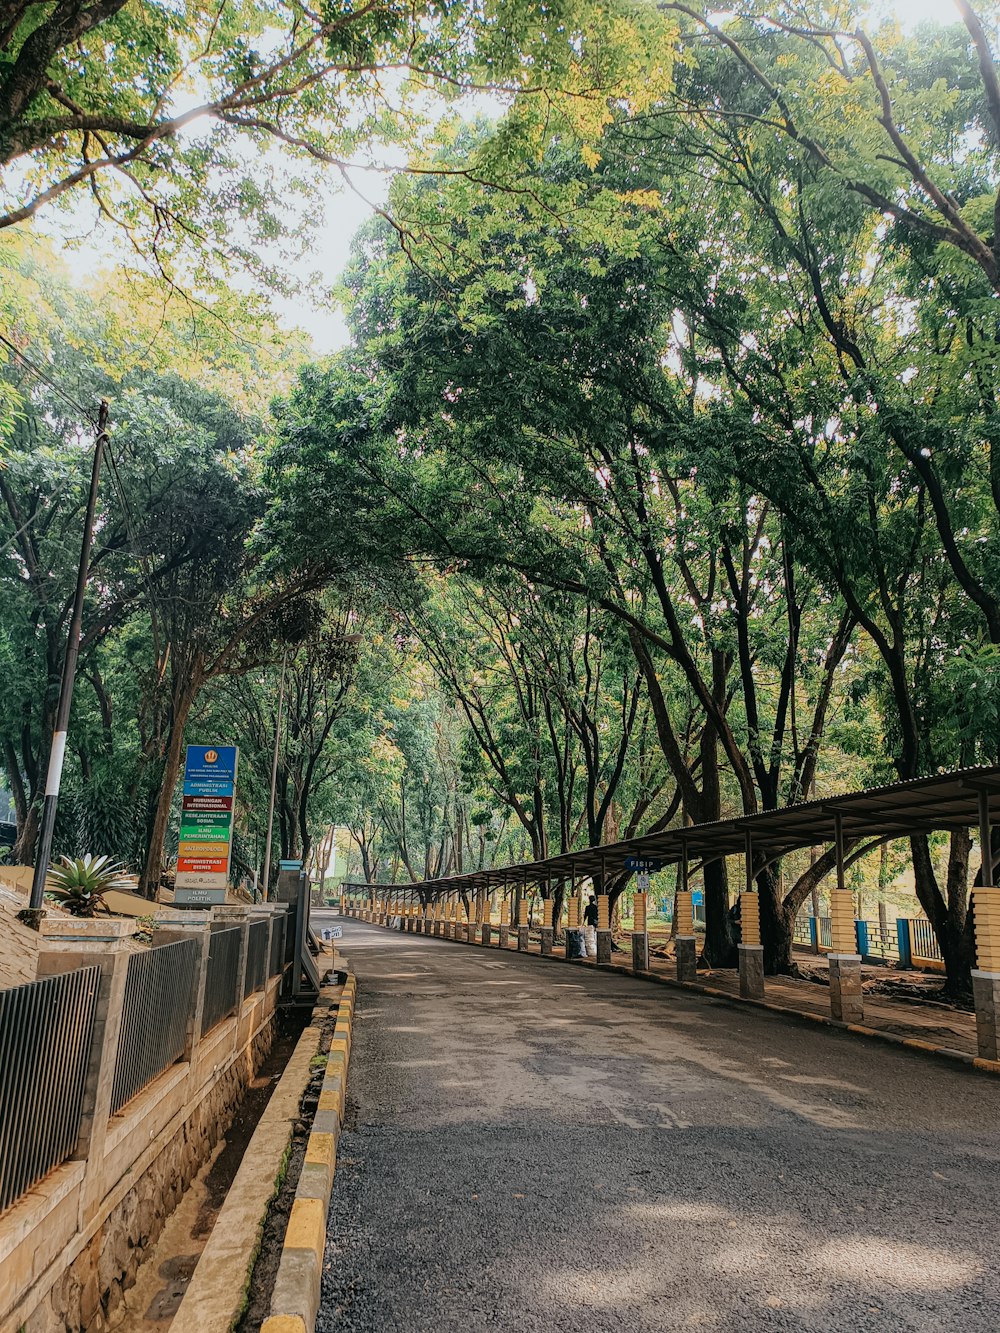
(750,950)
(684,940)
(846,1001)
(986,915)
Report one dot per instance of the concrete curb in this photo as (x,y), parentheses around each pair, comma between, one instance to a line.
(858,1029)
(295,1299)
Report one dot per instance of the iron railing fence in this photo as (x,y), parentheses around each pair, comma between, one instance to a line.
(276,962)
(221,977)
(46,1029)
(256,973)
(923,942)
(155,1009)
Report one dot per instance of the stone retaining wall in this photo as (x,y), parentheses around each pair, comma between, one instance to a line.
(71,1246)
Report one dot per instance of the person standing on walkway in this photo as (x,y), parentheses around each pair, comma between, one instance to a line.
(590,919)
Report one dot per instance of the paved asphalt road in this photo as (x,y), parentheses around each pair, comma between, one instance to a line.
(529,1146)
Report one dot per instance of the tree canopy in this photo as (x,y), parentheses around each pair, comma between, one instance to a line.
(659,481)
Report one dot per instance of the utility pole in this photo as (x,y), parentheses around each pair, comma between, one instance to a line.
(58,751)
(274,781)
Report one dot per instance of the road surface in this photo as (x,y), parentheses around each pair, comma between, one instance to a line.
(531,1146)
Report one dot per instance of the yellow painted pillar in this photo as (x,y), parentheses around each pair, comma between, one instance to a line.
(843,936)
(639,914)
(846,994)
(986,976)
(603,928)
(522,923)
(751,954)
(986,920)
(548,925)
(504,936)
(573,914)
(640,940)
(685,914)
(750,917)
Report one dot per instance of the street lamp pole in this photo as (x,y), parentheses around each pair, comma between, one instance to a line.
(58,751)
(274,780)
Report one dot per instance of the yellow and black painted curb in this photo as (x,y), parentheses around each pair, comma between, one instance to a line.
(295,1299)
(716,993)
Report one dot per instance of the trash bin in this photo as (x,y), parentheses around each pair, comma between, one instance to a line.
(575,946)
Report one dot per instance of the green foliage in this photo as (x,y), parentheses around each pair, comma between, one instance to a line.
(80,883)
(209,135)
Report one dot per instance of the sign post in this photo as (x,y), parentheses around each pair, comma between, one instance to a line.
(204,853)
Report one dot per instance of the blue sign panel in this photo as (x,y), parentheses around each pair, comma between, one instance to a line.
(212,764)
(642,863)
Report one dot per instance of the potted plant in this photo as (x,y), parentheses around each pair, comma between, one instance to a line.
(81,883)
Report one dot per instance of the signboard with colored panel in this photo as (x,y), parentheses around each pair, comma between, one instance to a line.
(205,847)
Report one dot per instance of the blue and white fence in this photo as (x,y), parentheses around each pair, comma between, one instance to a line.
(908,941)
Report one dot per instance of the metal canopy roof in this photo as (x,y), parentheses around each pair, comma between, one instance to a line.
(922,805)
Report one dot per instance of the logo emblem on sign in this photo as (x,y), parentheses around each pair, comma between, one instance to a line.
(211,756)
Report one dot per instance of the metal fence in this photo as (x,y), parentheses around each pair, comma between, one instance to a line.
(46,1029)
(276,962)
(256,973)
(155,1010)
(222,977)
(923,943)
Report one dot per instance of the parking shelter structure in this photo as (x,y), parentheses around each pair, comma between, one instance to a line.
(963,799)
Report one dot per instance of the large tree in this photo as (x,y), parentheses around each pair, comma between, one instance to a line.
(210,131)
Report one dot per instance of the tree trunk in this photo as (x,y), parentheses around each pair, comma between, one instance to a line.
(948,918)
(23,851)
(558,898)
(149,881)
(720,936)
(777,923)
